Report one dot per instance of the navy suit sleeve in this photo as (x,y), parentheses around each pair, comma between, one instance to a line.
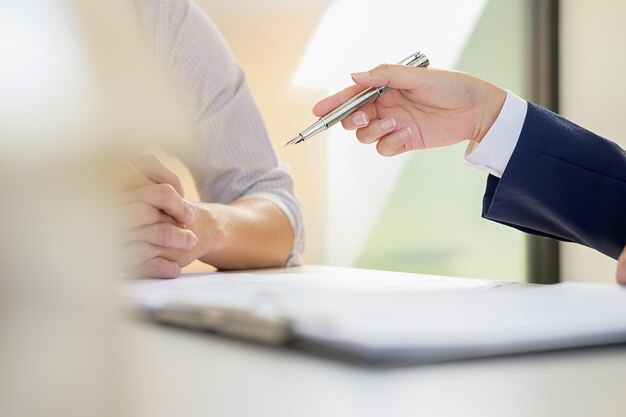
(563,182)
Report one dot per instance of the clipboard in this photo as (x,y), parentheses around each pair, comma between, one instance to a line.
(386,319)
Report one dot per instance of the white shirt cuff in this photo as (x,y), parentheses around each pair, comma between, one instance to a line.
(492,154)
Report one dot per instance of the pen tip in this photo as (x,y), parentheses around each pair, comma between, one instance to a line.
(295,140)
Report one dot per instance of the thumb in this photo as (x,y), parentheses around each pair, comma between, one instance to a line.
(621,268)
(394,76)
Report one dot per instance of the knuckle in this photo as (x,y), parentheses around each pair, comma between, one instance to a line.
(190,238)
(166,193)
(165,233)
(148,213)
(161,268)
(141,213)
(382,68)
(138,252)
(155,267)
(145,250)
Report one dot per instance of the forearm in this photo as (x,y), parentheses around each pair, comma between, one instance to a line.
(247,233)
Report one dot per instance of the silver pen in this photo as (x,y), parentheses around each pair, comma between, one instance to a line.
(417,59)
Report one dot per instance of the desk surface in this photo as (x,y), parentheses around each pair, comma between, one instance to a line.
(174,372)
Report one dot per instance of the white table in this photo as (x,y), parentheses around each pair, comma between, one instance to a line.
(174,372)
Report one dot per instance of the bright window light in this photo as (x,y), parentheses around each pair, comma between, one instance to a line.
(43,71)
(356,35)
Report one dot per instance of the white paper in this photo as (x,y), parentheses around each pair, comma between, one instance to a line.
(398,316)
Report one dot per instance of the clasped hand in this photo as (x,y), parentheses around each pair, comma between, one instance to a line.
(158,221)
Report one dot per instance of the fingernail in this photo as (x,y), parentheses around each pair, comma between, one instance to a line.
(404,133)
(388,123)
(359,118)
(359,75)
(189,215)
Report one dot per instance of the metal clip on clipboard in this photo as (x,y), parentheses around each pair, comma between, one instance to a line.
(228,321)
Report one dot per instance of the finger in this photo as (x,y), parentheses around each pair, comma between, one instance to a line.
(163,197)
(180,256)
(361,117)
(158,172)
(394,76)
(621,268)
(142,214)
(139,252)
(157,268)
(337,99)
(395,143)
(375,130)
(165,235)
(131,177)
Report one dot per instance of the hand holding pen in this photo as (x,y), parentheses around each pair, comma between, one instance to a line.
(354,103)
(424,108)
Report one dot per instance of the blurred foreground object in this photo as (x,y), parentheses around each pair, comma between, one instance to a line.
(57,270)
(78,93)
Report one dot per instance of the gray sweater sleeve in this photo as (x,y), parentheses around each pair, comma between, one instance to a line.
(230,156)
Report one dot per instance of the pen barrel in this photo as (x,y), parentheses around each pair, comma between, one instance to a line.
(352,105)
(367,96)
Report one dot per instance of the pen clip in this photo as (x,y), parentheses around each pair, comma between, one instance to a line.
(417,59)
